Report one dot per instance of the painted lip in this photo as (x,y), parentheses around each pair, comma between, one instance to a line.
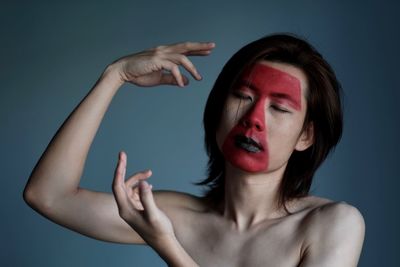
(240,138)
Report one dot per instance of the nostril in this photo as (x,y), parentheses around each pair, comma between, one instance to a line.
(252,123)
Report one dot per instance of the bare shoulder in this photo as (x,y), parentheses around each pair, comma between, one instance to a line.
(327,214)
(333,229)
(324,217)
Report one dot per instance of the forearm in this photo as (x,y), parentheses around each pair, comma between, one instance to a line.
(59,170)
(173,253)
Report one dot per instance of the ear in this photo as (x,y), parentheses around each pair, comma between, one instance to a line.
(306,138)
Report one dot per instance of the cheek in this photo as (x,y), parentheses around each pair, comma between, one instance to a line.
(229,118)
(283,136)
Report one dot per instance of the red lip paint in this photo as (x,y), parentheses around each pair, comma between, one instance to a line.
(265,82)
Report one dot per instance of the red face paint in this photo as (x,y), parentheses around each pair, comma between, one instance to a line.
(264,82)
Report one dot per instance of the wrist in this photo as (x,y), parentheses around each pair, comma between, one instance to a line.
(163,242)
(113,75)
(169,248)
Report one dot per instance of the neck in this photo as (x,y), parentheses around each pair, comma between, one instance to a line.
(251,198)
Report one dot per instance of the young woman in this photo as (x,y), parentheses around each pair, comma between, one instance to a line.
(272,117)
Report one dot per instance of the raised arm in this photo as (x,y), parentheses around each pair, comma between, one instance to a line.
(53,187)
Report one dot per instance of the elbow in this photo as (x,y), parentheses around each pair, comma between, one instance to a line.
(29,196)
(36,200)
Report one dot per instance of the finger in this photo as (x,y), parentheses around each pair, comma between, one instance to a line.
(119,173)
(198,53)
(189,47)
(169,79)
(187,64)
(204,52)
(134,179)
(118,187)
(131,185)
(174,69)
(147,199)
(178,76)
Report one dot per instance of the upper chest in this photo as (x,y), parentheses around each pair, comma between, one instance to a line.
(211,242)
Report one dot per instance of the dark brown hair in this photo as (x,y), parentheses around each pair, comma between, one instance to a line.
(324,110)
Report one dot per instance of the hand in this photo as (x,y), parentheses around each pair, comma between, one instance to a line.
(137,207)
(160,65)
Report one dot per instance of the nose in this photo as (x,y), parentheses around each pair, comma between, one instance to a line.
(255,117)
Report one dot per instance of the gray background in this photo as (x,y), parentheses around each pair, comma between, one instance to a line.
(52,53)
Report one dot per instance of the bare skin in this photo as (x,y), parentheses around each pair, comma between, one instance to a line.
(281,241)
(181,227)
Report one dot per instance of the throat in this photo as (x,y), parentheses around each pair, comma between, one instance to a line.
(250,198)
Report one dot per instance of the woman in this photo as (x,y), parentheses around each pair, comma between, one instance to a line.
(272,117)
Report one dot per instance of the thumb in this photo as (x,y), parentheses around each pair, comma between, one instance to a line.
(146,197)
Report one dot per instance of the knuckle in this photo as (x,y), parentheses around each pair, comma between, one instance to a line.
(182,58)
(159,49)
(154,57)
(175,69)
(189,63)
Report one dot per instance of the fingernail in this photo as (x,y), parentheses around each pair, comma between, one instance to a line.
(143,184)
(147,186)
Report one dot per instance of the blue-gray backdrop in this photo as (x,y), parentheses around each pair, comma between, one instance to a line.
(53,52)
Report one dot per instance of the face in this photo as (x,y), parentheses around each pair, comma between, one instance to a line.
(262,121)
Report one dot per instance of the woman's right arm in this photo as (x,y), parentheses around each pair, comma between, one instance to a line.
(53,187)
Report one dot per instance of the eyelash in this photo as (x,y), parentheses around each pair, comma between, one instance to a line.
(277,108)
(242,96)
(273,106)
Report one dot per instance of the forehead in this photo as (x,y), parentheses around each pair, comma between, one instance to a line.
(268,75)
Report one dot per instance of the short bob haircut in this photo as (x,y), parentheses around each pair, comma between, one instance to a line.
(324,111)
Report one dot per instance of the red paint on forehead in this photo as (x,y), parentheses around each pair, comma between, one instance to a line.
(273,83)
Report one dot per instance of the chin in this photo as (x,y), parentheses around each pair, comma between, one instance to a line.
(248,168)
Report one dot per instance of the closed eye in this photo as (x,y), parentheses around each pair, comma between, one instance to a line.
(279,109)
(242,96)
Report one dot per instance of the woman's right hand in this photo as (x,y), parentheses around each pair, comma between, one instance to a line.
(160,65)
(137,206)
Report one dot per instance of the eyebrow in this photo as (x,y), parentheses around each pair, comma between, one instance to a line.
(248,84)
(283,96)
